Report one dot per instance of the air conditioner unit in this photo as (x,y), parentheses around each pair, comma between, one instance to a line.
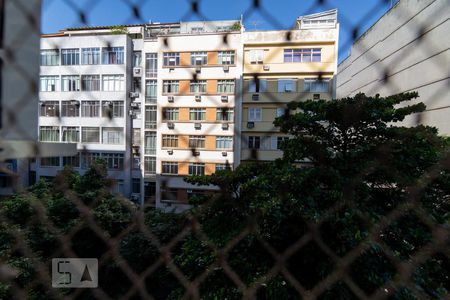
(226,68)
(74,102)
(196,153)
(250,124)
(198,69)
(131,113)
(170,152)
(189,191)
(171,125)
(255,97)
(171,99)
(198,98)
(224,98)
(41,103)
(197,125)
(266,67)
(224,153)
(316,96)
(225,126)
(109,103)
(135,197)
(135,105)
(137,71)
(134,95)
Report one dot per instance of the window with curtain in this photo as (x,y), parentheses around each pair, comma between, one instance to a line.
(71,134)
(70,57)
(150,91)
(90,109)
(49,83)
(90,135)
(113,83)
(70,83)
(90,83)
(50,57)
(150,143)
(49,134)
(112,135)
(90,56)
(113,56)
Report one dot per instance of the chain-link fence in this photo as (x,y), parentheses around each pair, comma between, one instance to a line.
(264,231)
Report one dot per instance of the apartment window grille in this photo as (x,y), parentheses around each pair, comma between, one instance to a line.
(225,86)
(196,169)
(73,161)
(196,141)
(112,135)
(225,114)
(114,161)
(257,56)
(90,83)
(169,141)
(136,161)
(197,114)
(50,57)
(70,109)
(150,117)
(90,56)
(137,58)
(49,83)
(171,59)
(136,185)
(71,134)
(169,168)
(255,114)
(171,86)
(315,85)
(49,134)
(136,136)
(112,109)
(113,56)
(224,142)
(197,29)
(199,58)
(150,165)
(151,91)
(197,86)
(49,109)
(70,83)
(113,83)
(50,161)
(225,58)
(287,85)
(90,109)
(254,142)
(302,55)
(70,57)
(257,86)
(90,134)
(150,143)
(151,64)
(170,114)
(88,158)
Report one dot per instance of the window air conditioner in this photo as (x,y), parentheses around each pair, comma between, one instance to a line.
(198,98)
(171,125)
(224,98)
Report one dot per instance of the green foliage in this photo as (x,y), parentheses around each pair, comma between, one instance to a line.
(119,29)
(236,26)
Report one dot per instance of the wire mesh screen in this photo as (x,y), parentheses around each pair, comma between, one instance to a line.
(364,214)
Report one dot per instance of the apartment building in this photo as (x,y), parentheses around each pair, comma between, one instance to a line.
(283,66)
(404,51)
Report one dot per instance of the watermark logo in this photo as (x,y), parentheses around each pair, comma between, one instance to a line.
(74,272)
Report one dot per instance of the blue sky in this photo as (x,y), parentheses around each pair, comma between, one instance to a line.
(60,14)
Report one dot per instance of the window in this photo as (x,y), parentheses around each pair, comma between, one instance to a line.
(150,143)
(302,55)
(49,134)
(197,86)
(256,56)
(150,165)
(88,158)
(113,56)
(90,83)
(49,83)
(287,85)
(73,161)
(226,58)
(136,161)
(169,194)
(196,141)
(169,141)
(199,58)
(254,114)
(113,83)
(112,109)
(90,56)
(280,111)
(196,169)
(171,59)
(151,64)
(137,58)
(150,117)
(112,135)
(70,57)
(254,142)
(50,57)
(169,168)
(114,161)
(221,167)
(136,185)
(70,83)
(71,134)
(171,86)
(136,136)
(90,134)
(90,109)
(50,161)
(197,29)
(277,140)
(316,85)
(170,114)
(70,108)
(49,109)
(150,91)
(224,114)
(224,142)
(257,86)
(225,86)
(197,114)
